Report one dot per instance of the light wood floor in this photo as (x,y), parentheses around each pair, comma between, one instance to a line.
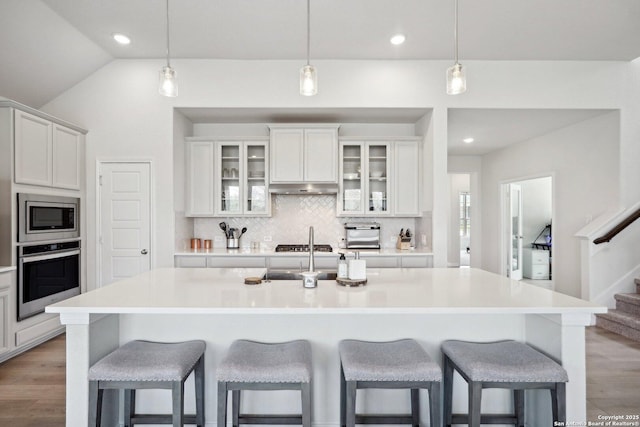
(32,385)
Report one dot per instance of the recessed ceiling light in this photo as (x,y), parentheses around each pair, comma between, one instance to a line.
(121,38)
(398,39)
(468,140)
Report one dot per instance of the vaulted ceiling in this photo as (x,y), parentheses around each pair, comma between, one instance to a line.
(49,45)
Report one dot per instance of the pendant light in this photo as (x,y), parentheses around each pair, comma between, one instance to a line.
(456,79)
(308,74)
(168,85)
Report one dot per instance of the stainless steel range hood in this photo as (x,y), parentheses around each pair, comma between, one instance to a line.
(303,189)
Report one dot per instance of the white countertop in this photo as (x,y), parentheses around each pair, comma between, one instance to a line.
(271,252)
(222,290)
(6,269)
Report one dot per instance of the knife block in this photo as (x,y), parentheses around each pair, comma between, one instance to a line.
(403,243)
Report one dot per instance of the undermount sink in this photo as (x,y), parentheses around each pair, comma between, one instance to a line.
(297,275)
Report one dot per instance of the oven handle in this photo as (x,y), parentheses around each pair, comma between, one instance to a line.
(26,259)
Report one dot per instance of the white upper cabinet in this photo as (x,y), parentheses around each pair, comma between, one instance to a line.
(46,153)
(33,150)
(379,178)
(227,178)
(406,178)
(304,153)
(66,152)
(199,178)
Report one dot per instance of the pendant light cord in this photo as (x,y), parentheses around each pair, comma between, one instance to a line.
(168,48)
(455,32)
(309,29)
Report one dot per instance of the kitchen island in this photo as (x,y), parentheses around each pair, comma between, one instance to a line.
(430,305)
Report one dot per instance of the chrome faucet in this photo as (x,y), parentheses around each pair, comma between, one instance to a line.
(312,263)
(310,278)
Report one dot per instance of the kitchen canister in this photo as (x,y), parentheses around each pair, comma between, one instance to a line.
(196,243)
(208,244)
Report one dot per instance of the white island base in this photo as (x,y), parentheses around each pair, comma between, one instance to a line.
(430,306)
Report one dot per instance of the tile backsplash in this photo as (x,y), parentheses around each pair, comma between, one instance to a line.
(289,223)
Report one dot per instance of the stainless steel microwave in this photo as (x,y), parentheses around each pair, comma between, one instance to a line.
(44,218)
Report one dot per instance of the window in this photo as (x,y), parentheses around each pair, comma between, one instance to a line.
(465,214)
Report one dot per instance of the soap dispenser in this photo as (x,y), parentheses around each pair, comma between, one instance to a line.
(343,268)
(357,268)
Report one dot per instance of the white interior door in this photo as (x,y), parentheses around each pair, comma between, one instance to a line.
(515,232)
(125,222)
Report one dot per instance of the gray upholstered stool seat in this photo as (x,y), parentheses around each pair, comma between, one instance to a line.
(504,364)
(252,365)
(401,364)
(149,365)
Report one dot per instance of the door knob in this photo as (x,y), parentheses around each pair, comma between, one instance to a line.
(144,252)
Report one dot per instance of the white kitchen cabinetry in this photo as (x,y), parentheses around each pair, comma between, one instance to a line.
(365,170)
(199,178)
(535,264)
(406,179)
(241,179)
(379,178)
(46,153)
(306,153)
(5,286)
(237,262)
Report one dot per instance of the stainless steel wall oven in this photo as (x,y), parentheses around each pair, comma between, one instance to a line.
(47,273)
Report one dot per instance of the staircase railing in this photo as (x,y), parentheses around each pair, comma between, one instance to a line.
(618,228)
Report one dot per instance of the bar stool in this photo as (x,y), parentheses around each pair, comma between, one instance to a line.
(251,365)
(149,365)
(503,364)
(401,364)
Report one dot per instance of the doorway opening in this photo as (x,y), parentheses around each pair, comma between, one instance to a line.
(460,220)
(527,232)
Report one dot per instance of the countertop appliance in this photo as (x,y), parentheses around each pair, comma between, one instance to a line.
(303,248)
(362,235)
(47,218)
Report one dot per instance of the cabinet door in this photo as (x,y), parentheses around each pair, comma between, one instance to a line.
(406,179)
(257,200)
(200,180)
(230,172)
(320,155)
(286,153)
(66,151)
(351,198)
(33,149)
(377,172)
(4,321)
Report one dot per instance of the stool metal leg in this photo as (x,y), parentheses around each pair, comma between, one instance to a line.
(222,404)
(305,391)
(434,405)
(448,391)
(177,396)
(199,381)
(235,407)
(343,398)
(415,407)
(129,406)
(475,400)
(518,407)
(95,404)
(559,402)
(351,403)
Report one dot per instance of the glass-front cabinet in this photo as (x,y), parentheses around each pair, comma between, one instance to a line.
(364,178)
(241,184)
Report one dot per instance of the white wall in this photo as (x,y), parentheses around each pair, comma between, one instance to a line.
(584,161)
(126,117)
(536,207)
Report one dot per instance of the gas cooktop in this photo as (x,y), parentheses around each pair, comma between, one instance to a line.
(303,248)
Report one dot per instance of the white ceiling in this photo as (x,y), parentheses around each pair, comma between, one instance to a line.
(50,45)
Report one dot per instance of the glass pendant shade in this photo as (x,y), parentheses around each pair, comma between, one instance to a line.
(456,80)
(308,80)
(168,85)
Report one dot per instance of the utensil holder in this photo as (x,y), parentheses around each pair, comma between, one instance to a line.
(233,243)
